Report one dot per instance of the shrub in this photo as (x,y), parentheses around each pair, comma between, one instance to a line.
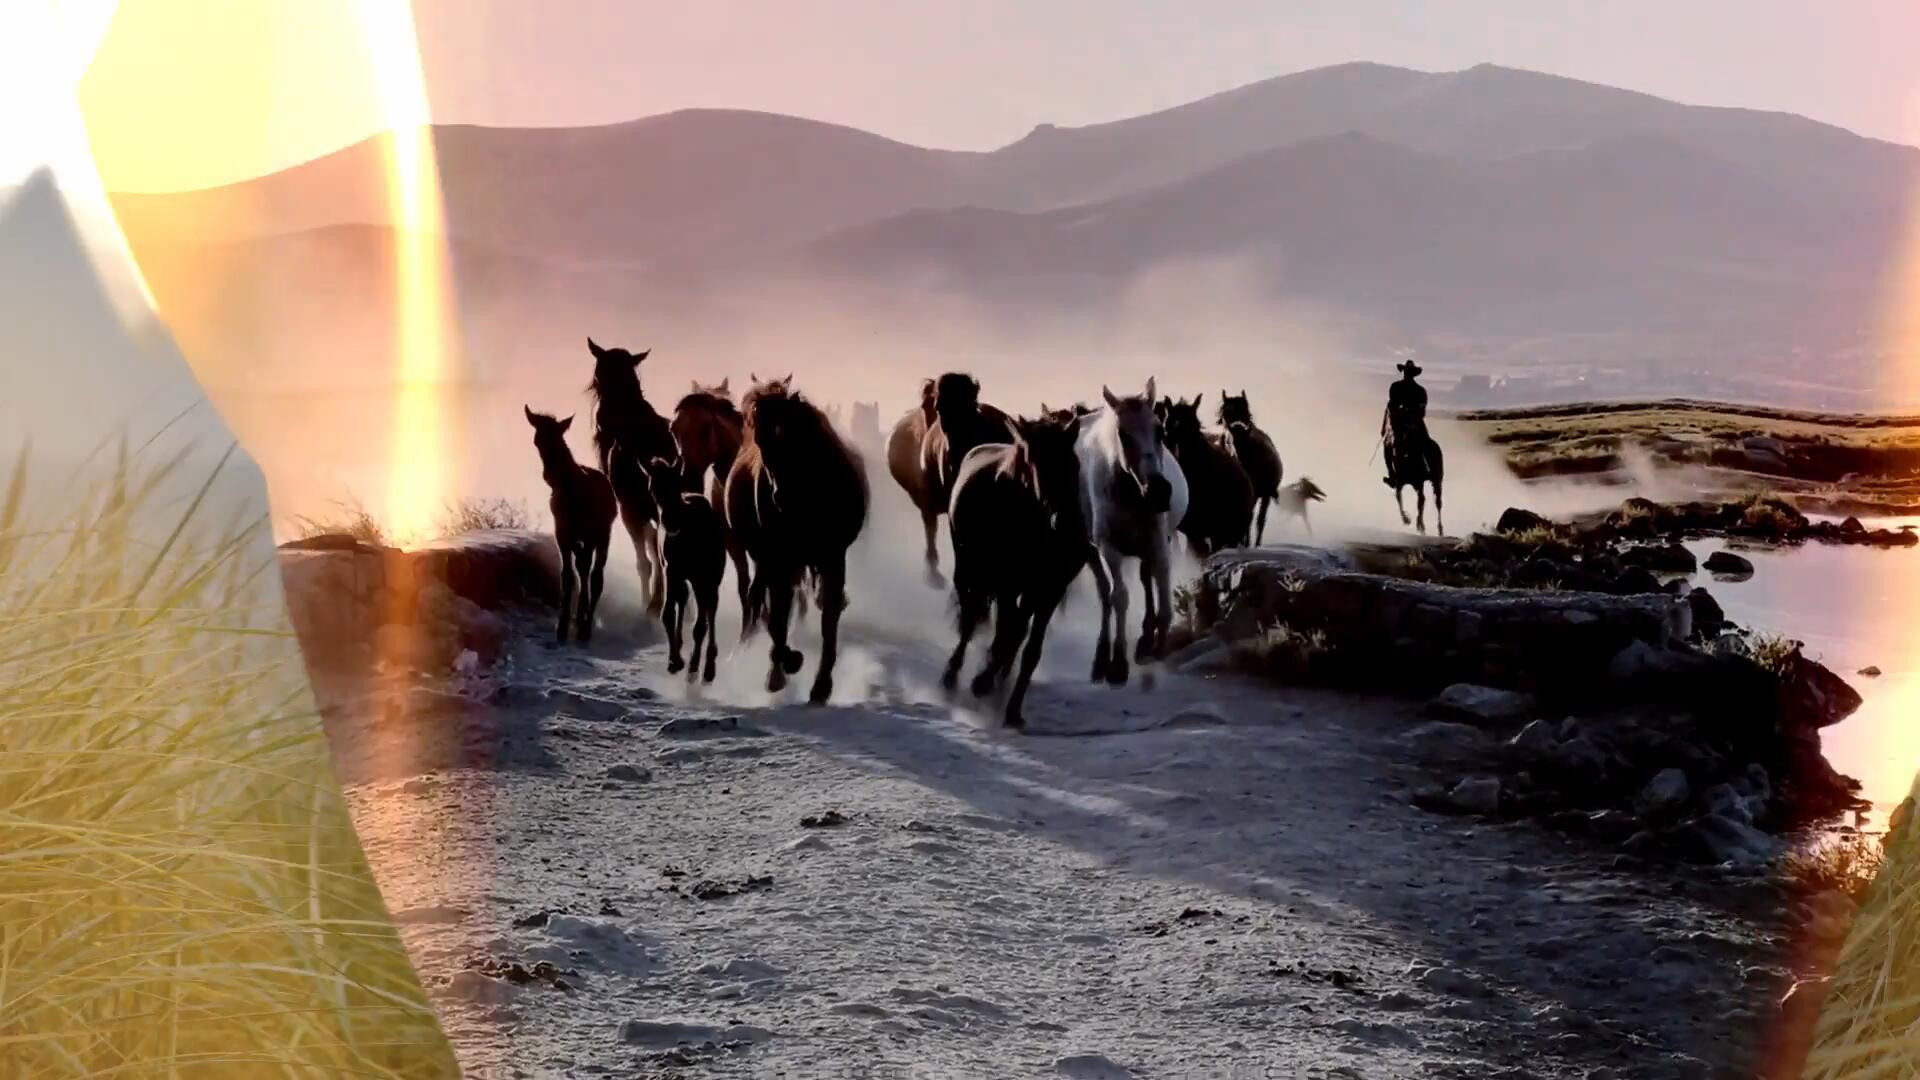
(481,515)
(350,518)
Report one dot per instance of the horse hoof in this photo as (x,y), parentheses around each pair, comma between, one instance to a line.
(950,679)
(983,684)
(675,665)
(776,680)
(1143,650)
(792,661)
(1099,668)
(822,690)
(936,579)
(1015,720)
(1117,672)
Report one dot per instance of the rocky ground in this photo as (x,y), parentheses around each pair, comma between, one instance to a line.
(599,876)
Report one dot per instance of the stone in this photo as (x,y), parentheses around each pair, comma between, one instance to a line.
(630,773)
(1536,741)
(1476,795)
(1728,802)
(1812,696)
(1727,564)
(1445,742)
(1708,617)
(1483,704)
(1715,839)
(1517,520)
(1870,672)
(1852,526)
(1663,798)
(1661,558)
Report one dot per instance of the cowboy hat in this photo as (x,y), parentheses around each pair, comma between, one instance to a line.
(1409,367)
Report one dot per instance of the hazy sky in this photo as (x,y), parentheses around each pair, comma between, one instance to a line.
(204,90)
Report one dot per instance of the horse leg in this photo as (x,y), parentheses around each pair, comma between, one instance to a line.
(832,598)
(1117,658)
(1007,633)
(742,575)
(1143,648)
(1400,501)
(973,608)
(1103,591)
(1163,611)
(567,561)
(657,590)
(674,614)
(1304,520)
(782,661)
(1420,507)
(930,521)
(1260,521)
(1439,519)
(1030,656)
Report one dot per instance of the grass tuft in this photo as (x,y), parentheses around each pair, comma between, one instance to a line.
(350,518)
(481,515)
(181,889)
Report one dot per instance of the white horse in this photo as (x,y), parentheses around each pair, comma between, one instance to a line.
(1132,496)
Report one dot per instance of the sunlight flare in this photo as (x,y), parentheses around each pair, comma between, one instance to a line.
(416,481)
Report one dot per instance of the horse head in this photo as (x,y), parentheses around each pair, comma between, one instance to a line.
(1310,491)
(1234,410)
(1142,438)
(777,417)
(1046,453)
(1182,421)
(956,398)
(616,372)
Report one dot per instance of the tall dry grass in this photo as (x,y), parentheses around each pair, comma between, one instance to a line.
(1869,1024)
(181,890)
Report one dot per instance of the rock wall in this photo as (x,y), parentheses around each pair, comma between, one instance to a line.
(1526,639)
(352,602)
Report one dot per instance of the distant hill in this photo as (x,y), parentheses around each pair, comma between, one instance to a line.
(1503,211)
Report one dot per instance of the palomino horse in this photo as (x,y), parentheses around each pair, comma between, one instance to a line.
(1133,497)
(627,433)
(1018,541)
(797,499)
(904,447)
(708,430)
(1222,497)
(1414,459)
(1257,455)
(583,508)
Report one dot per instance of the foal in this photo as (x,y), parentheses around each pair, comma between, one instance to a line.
(1018,541)
(583,510)
(1257,456)
(694,557)
(708,429)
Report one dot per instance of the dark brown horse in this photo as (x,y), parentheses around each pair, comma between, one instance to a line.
(1019,539)
(694,554)
(708,430)
(1220,508)
(583,509)
(961,421)
(797,499)
(904,447)
(1257,455)
(627,432)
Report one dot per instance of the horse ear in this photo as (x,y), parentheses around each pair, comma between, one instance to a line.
(598,352)
(723,383)
(642,355)
(528,409)
(565,424)
(1112,402)
(1151,393)
(1196,399)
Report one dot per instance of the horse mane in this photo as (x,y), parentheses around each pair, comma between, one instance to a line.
(708,399)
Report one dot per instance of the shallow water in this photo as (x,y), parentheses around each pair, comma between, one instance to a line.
(1853,607)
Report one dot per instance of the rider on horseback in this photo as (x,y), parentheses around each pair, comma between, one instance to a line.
(1404,424)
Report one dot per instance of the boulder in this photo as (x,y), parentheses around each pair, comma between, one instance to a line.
(1483,704)
(1535,742)
(1448,743)
(1708,617)
(1711,838)
(1664,797)
(1661,558)
(1812,696)
(1518,520)
(1727,564)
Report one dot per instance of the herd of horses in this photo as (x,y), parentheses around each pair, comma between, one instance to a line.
(772,486)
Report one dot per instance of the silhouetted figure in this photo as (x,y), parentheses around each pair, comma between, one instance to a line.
(694,554)
(1220,510)
(1405,421)
(583,509)
(708,429)
(1413,457)
(1256,454)
(623,418)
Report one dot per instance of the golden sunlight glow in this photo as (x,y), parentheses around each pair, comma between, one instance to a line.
(416,481)
(45,48)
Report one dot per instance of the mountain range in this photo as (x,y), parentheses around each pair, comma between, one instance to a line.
(1488,217)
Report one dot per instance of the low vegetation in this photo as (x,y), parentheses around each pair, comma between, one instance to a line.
(349,518)
(481,515)
(184,892)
